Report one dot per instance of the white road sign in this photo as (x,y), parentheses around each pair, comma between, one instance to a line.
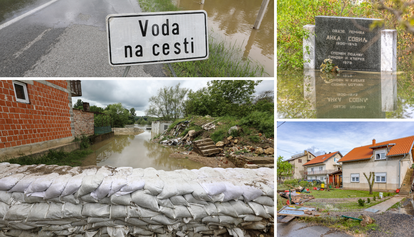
(148,38)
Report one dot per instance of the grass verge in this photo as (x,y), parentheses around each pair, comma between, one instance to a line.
(73,158)
(224,60)
(340,193)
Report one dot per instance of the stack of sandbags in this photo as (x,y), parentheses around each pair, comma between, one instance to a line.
(40,200)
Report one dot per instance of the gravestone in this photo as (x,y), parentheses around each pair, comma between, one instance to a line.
(351,44)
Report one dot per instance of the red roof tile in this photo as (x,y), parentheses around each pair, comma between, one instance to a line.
(321,159)
(402,146)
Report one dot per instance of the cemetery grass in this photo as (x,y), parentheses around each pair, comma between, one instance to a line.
(225,60)
(294,14)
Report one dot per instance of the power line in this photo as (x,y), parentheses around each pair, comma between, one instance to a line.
(281,124)
(286,151)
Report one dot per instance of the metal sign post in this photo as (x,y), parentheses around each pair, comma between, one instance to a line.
(151,38)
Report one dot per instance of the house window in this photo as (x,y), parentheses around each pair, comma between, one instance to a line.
(311,169)
(321,168)
(165,127)
(380,156)
(299,160)
(354,178)
(380,177)
(20,91)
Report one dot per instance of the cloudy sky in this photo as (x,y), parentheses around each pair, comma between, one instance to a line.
(321,137)
(135,93)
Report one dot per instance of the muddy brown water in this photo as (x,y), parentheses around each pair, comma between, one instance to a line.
(349,94)
(136,151)
(233,20)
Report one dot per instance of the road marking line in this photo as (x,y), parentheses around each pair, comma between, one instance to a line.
(16,55)
(14,20)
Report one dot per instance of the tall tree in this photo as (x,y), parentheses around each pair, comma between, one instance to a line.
(168,104)
(95,108)
(222,97)
(119,115)
(284,168)
(132,111)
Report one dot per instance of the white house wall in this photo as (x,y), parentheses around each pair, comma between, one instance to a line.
(388,166)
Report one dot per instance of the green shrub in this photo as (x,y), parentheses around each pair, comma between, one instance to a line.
(262,121)
(368,200)
(293,182)
(375,198)
(304,183)
(361,202)
(254,138)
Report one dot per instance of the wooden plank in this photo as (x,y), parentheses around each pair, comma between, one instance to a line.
(287,219)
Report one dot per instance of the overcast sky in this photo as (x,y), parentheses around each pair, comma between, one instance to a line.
(321,137)
(135,93)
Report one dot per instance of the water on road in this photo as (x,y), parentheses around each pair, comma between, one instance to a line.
(136,151)
(233,20)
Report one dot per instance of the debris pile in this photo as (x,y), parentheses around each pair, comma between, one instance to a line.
(105,201)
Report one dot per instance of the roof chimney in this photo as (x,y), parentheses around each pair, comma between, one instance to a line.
(373,142)
(85,106)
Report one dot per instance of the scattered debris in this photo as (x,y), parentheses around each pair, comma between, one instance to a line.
(366,220)
(208,126)
(289,213)
(234,128)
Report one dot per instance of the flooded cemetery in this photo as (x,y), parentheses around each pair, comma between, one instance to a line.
(344,60)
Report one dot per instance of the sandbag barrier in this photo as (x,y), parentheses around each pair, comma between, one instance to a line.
(50,200)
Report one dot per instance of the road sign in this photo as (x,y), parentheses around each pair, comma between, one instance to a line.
(149,38)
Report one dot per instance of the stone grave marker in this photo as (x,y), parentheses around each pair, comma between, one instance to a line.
(351,44)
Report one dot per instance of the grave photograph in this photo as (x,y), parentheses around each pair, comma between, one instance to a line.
(344,59)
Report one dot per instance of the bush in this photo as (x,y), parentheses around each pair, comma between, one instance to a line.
(254,138)
(368,200)
(263,121)
(304,183)
(293,182)
(361,202)
(375,198)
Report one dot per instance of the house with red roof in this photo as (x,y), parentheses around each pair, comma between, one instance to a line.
(321,166)
(297,161)
(389,160)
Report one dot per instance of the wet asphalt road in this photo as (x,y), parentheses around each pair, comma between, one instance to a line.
(296,229)
(65,39)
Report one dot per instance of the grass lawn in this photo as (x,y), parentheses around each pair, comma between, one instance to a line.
(339,193)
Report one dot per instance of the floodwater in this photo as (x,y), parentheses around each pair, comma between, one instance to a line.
(350,94)
(136,151)
(233,21)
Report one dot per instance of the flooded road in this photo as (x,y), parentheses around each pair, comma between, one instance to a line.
(137,152)
(350,94)
(233,20)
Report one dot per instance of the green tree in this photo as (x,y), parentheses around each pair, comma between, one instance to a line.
(284,168)
(78,104)
(132,111)
(168,104)
(222,97)
(119,115)
(95,108)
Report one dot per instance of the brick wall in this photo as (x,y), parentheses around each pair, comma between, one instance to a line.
(84,123)
(46,117)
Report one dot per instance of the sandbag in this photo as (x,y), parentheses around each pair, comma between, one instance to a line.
(9,182)
(134,183)
(141,198)
(57,186)
(95,210)
(73,184)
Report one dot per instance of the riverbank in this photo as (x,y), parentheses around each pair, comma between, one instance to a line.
(225,59)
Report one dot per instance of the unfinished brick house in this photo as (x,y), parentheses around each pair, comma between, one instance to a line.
(35,115)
